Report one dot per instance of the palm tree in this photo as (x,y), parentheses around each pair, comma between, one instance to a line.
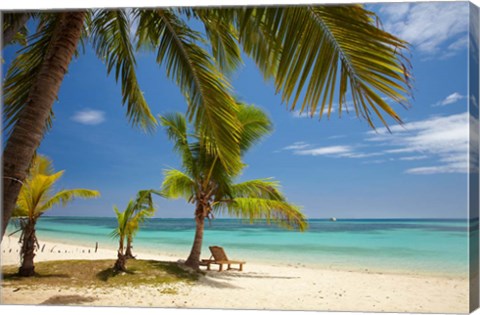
(205,183)
(36,197)
(128,224)
(316,52)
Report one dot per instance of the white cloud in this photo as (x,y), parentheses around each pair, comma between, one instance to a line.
(297,146)
(396,11)
(89,117)
(337,137)
(306,113)
(450,99)
(452,49)
(413,158)
(444,139)
(331,150)
(338,151)
(358,155)
(436,169)
(435,28)
(436,145)
(379,161)
(430,146)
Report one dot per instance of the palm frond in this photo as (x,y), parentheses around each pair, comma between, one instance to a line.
(14,28)
(35,191)
(26,65)
(20,209)
(255,125)
(177,184)
(66,196)
(207,91)
(256,38)
(223,37)
(120,230)
(41,165)
(144,201)
(328,51)
(111,38)
(265,188)
(281,213)
(176,128)
(139,218)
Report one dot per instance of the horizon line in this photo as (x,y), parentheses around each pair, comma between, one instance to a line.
(311,218)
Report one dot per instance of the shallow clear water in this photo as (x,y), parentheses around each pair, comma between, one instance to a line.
(396,245)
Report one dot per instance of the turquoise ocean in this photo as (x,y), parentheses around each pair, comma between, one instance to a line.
(386,245)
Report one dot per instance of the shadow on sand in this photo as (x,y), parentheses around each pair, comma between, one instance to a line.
(149,269)
(16,277)
(67,300)
(225,279)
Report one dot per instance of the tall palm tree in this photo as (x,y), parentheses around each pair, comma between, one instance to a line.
(205,183)
(316,52)
(36,197)
(128,224)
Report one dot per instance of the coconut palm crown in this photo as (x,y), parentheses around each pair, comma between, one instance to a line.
(36,197)
(206,184)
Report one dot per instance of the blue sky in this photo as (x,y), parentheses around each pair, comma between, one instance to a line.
(333,167)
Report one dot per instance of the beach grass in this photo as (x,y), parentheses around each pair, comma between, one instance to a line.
(99,273)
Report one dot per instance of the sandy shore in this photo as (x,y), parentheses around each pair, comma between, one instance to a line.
(259,286)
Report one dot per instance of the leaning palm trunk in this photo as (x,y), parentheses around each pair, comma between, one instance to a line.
(128,250)
(27,253)
(28,131)
(193,260)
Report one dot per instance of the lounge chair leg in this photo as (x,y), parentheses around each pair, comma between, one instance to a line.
(228,268)
(208,266)
(241,267)
(220,268)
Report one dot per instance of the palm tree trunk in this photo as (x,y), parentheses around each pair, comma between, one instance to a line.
(193,259)
(27,269)
(120,263)
(28,131)
(128,250)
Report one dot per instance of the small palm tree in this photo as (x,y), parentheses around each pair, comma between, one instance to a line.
(128,224)
(205,182)
(36,197)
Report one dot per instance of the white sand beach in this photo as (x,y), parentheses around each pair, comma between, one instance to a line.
(259,286)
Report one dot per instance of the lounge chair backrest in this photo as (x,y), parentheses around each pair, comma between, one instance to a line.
(218,253)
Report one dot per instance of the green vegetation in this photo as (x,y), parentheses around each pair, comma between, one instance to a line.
(128,224)
(36,197)
(99,273)
(206,184)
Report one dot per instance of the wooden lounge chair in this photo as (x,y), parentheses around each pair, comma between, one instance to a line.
(220,258)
